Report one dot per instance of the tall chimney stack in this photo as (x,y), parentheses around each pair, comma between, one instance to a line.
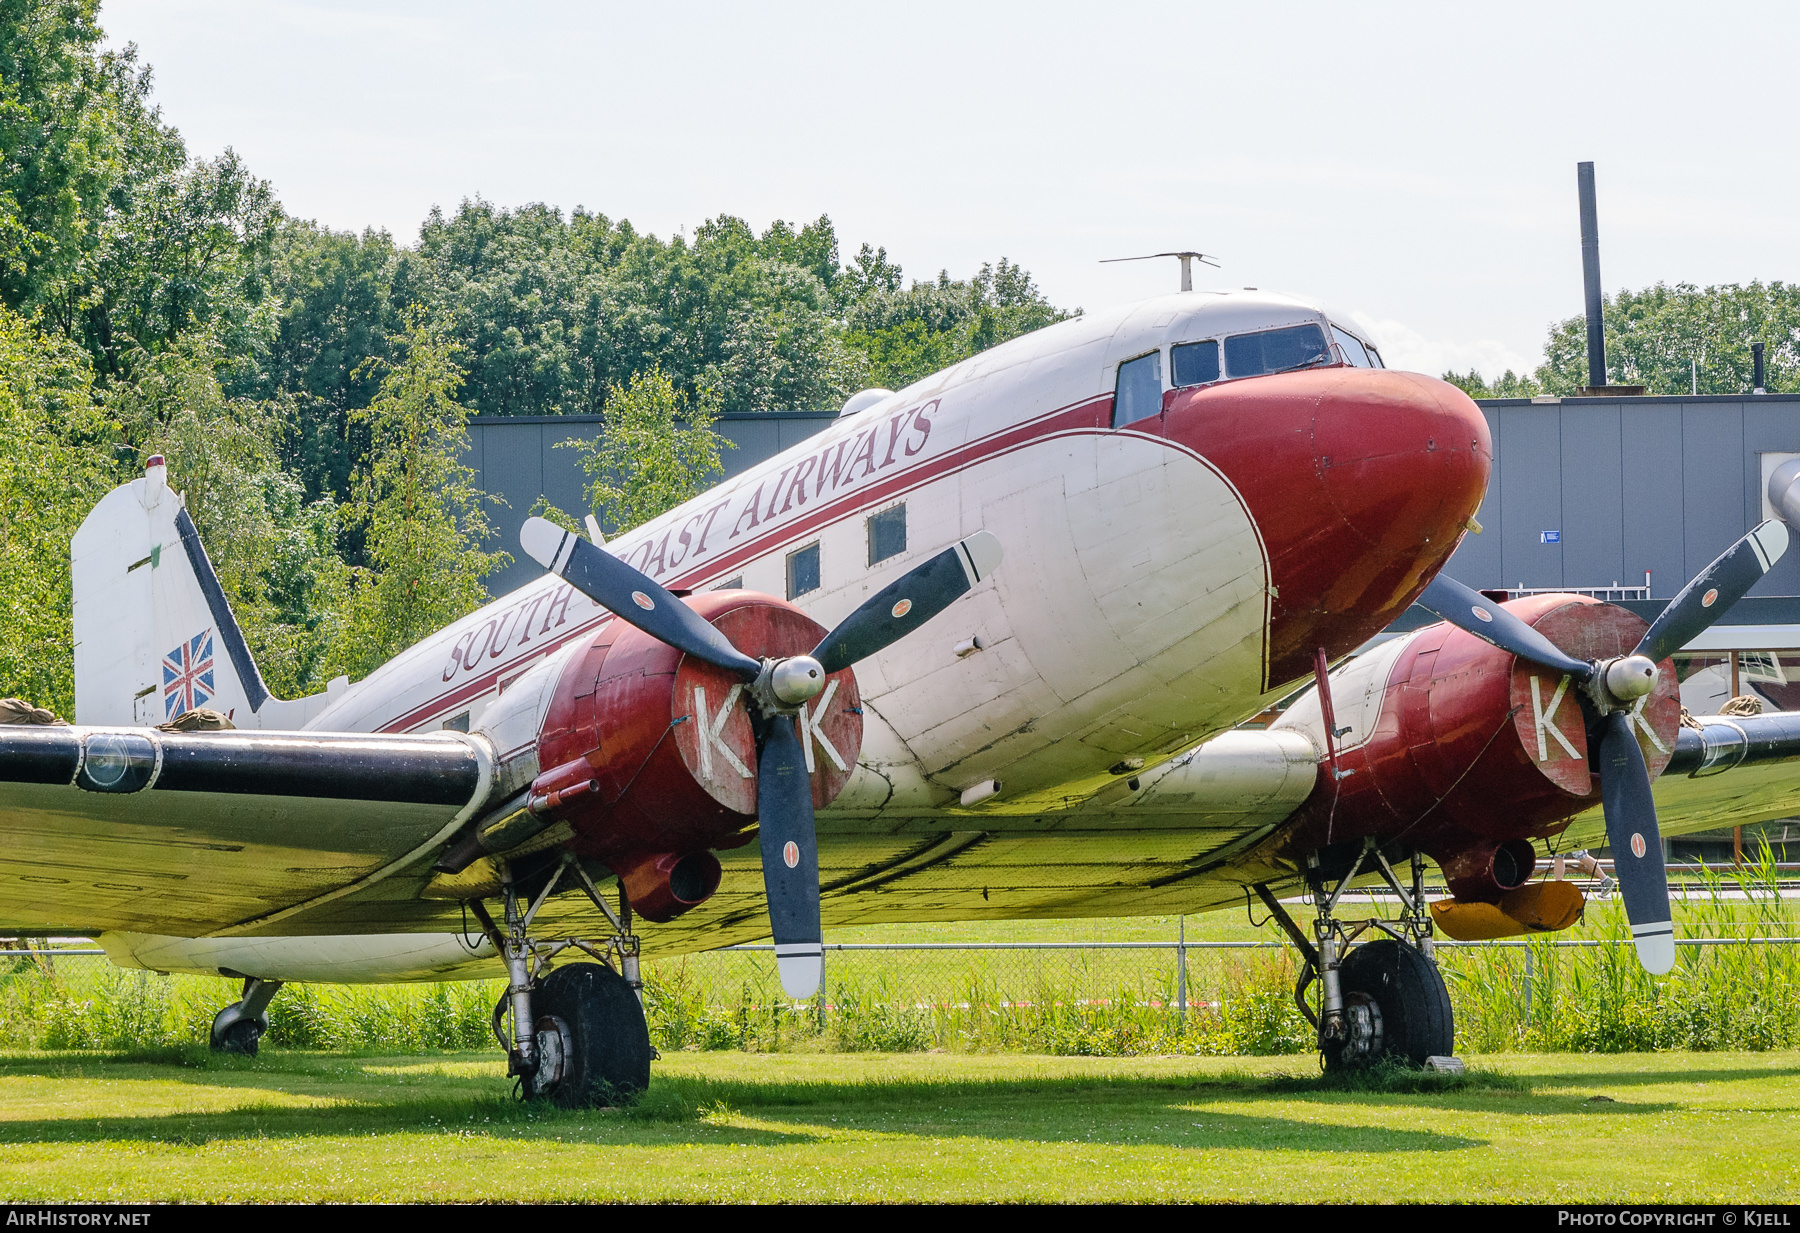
(1590,275)
(1756,353)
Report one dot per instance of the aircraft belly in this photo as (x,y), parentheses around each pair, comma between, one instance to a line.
(342,959)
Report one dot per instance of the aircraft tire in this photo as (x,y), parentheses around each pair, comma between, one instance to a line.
(606,1050)
(239,1038)
(1416,1017)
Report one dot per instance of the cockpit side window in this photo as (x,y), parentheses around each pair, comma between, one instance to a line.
(1354,355)
(1138,395)
(1283,350)
(1375,357)
(1195,363)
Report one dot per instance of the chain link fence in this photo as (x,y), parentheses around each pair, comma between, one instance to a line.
(1737,989)
(1219,997)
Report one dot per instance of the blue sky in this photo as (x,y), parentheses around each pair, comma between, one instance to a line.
(1410,164)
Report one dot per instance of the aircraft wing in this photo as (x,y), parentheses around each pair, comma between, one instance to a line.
(1119,851)
(1731,771)
(1180,837)
(194,833)
(1193,841)
(252,833)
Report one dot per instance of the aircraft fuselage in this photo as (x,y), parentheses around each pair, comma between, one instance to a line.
(1164,578)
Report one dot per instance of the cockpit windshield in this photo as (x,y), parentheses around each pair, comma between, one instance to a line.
(1354,354)
(1283,350)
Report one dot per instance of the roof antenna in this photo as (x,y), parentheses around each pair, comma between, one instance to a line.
(1187,264)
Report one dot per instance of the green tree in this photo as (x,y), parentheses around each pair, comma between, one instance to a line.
(1675,340)
(417,505)
(188,254)
(655,451)
(275,552)
(76,131)
(107,233)
(907,335)
(336,313)
(56,461)
(551,312)
(869,272)
(1508,385)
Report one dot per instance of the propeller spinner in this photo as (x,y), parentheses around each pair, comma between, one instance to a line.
(790,847)
(1609,689)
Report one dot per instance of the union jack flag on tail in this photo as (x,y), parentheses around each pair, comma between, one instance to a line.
(188,675)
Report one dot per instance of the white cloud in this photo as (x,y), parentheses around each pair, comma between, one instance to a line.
(1406,348)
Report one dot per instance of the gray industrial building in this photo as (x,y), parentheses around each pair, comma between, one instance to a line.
(517,459)
(1632,492)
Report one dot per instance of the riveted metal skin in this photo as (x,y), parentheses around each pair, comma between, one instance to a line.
(1360,482)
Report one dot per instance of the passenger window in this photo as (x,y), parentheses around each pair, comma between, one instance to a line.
(1284,350)
(887,534)
(1139,392)
(1354,355)
(803,571)
(1196,363)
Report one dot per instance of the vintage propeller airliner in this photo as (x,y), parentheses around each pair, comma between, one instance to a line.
(983,649)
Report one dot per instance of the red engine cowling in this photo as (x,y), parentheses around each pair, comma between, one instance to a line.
(1475,753)
(650,755)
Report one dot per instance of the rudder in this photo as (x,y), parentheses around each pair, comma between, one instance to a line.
(154,633)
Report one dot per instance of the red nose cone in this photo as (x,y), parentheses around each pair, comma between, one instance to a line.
(1402,458)
(1361,482)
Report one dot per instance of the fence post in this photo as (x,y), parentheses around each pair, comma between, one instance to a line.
(1181,973)
(1528,982)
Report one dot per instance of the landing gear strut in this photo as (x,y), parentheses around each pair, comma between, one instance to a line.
(575,1035)
(1384,998)
(239,1027)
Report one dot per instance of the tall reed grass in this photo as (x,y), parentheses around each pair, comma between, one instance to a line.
(93,1005)
(1600,1000)
(870,1003)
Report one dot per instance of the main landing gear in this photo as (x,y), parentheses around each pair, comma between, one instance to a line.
(239,1027)
(577,1034)
(1381,999)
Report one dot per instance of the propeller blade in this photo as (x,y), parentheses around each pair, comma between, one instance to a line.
(1714,590)
(790,858)
(630,596)
(1636,843)
(910,601)
(1474,613)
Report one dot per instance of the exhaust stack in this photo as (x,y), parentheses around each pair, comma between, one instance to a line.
(1590,275)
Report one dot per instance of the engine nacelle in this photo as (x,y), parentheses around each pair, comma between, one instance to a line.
(650,755)
(1462,751)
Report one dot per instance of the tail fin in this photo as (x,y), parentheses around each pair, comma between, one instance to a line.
(154,635)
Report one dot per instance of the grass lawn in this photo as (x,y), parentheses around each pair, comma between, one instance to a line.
(833,1127)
